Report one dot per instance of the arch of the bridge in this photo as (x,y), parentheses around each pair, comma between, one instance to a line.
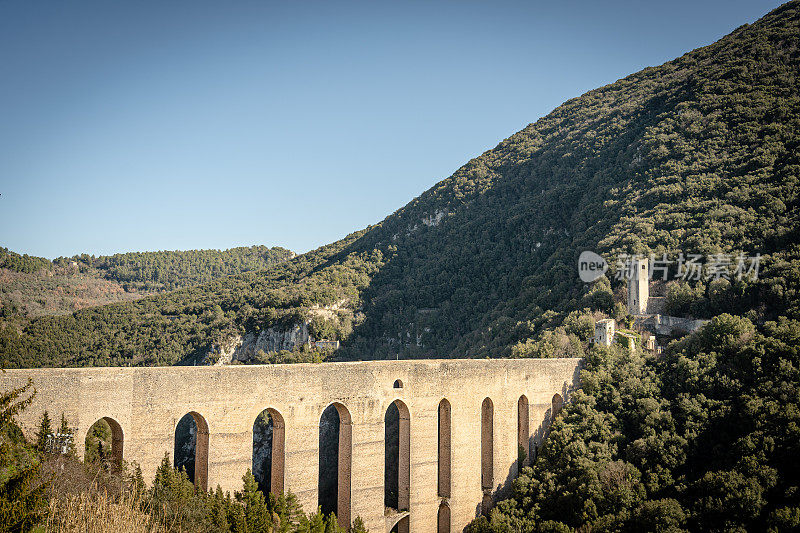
(444,452)
(443,518)
(397,459)
(117,439)
(397,520)
(275,432)
(200,448)
(523,430)
(344,459)
(487,452)
(557,405)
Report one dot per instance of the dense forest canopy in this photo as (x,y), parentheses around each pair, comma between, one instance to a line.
(697,156)
(704,438)
(172,270)
(23,263)
(156,270)
(31,287)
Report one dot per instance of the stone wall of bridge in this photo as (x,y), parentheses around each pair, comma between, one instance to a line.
(147,404)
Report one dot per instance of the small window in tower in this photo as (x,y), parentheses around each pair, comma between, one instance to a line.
(398,384)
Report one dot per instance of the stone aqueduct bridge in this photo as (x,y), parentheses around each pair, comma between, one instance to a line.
(461,422)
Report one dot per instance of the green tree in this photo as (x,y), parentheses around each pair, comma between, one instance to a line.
(256,513)
(23,504)
(219,510)
(701,438)
(136,482)
(358,526)
(316,522)
(332,525)
(43,433)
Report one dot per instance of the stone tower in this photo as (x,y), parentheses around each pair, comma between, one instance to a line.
(638,287)
(604,331)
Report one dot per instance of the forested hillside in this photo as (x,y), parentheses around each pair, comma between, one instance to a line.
(704,438)
(31,286)
(697,156)
(172,270)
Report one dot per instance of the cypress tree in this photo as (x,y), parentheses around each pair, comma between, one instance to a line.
(138,486)
(331,524)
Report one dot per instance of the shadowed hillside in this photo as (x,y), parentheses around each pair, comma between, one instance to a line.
(699,155)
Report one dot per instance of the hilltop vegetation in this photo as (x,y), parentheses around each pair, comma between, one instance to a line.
(164,270)
(704,438)
(23,263)
(173,270)
(31,287)
(697,156)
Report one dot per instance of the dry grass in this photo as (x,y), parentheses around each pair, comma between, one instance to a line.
(86,498)
(99,513)
(67,475)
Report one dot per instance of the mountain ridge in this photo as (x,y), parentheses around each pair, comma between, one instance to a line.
(693,156)
(32,286)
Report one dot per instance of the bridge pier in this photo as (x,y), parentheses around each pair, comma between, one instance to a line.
(147,403)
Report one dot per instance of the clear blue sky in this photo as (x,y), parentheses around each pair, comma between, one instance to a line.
(153,125)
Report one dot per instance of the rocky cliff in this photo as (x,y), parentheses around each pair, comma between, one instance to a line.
(244,348)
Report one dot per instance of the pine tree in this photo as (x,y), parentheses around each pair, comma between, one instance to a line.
(219,511)
(164,479)
(332,525)
(358,526)
(173,495)
(236,517)
(182,491)
(316,522)
(23,504)
(292,517)
(255,507)
(45,430)
(136,480)
(10,407)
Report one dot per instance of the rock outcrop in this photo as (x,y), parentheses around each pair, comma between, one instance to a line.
(244,348)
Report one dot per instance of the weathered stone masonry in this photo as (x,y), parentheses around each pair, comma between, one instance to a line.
(147,404)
